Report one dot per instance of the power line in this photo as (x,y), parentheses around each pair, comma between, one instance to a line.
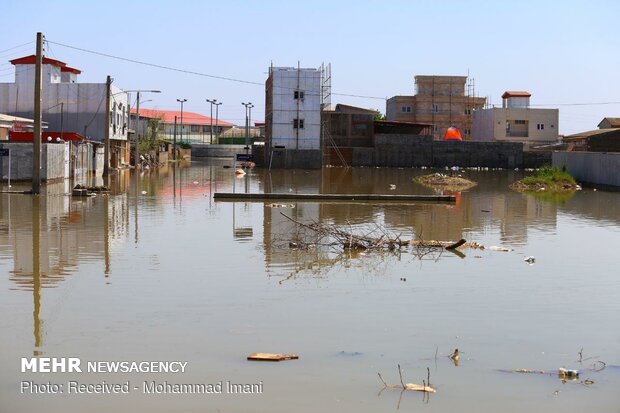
(15,47)
(578,104)
(191,72)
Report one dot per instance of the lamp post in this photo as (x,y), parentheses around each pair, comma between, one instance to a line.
(181,101)
(217,121)
(136,150)
(248,109)
(212,102)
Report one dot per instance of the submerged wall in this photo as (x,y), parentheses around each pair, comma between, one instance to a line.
(596,168)
(53,157)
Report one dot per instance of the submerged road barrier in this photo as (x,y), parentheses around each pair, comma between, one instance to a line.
(231,196)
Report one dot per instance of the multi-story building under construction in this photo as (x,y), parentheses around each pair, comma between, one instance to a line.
(442,101)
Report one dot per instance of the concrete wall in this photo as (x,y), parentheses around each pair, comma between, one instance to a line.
(52,161)
(287,158)
(597,168)
(216,151)
(416,151)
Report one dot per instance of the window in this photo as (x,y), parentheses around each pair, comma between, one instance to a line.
(298,94)
(405,109)
(206,128)
(468,111)
(435,128)
(298,123)
(435,108)
(540,126)
(195,128)
(519,122)
(467,131)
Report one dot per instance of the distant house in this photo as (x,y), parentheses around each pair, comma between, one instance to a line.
(191,127)
(515,121)
(609,123)
(10,124)
(597,140)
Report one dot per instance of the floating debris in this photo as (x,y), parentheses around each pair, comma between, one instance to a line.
(271,357)
(504,249)
(280,205)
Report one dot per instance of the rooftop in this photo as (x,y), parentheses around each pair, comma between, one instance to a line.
(613,122)
(32,59)
(189,118)
(589,134)
(516,94)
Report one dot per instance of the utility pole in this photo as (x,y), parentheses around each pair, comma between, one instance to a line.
(106,138)
(36,138)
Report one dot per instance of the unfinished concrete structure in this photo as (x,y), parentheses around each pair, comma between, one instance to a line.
(293,102)
(515,121)
(441,101)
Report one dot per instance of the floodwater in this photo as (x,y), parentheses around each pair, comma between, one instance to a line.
(159,271)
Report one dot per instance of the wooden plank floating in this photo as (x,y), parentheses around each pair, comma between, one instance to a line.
(271,357)
(231,196)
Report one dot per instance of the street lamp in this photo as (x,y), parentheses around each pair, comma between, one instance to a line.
(212,102)
(217,121)
(248,109)
(136,150)
(181,101)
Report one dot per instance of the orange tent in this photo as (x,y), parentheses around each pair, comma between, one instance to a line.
(452,134)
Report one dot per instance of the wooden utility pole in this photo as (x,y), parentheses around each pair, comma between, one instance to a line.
(106,138)
(36,138)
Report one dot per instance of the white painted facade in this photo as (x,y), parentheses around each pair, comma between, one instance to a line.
(295,112)
(83,104)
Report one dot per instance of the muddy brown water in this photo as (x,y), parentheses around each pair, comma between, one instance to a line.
(159,271)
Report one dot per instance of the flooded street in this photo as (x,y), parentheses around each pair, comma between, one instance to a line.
(158,270)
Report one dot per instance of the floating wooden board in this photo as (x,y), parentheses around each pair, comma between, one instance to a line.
(271,357)
(256,197)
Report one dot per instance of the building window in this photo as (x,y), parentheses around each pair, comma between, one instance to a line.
(298,94)
(435,128)
(435,108)
(519,122)
(206,128)
(468,111)
(195,128)
(298,123)
(540,126)
(405,109)
(467,131)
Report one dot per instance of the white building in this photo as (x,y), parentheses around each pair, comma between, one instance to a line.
(68,106)
(515,121)
(293,108)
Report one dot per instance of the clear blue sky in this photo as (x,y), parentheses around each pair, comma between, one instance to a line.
(560,51)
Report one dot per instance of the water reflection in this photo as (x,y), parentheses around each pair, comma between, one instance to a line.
(157,257)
